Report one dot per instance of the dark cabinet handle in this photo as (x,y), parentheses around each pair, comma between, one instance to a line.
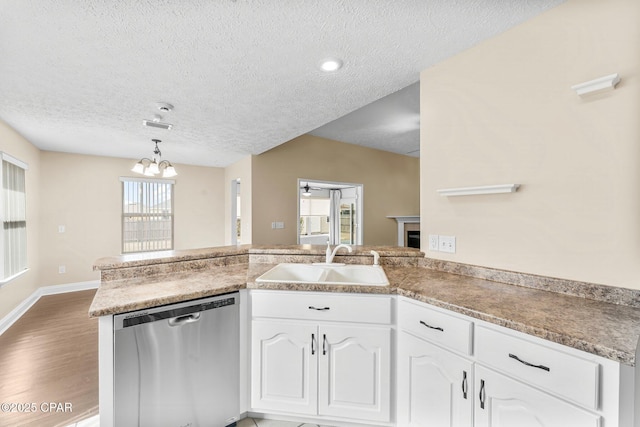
(313,344)
(482,394)
(437,328)
(465,386)
(319,308)
(324,344)
(544,368)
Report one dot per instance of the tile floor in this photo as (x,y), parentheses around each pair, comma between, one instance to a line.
(251,422)
(247,422)
(89,422)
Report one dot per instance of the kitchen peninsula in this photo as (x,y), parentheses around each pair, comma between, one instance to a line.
(594,324)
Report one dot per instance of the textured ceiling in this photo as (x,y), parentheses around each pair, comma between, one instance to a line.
(80,76)
(391,123)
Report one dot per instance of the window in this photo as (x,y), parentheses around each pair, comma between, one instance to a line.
(14,219)
(147,215)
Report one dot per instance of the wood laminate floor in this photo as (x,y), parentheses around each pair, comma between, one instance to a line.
(49,361)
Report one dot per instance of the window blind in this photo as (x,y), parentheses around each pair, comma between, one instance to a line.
(147,215)
(14,217)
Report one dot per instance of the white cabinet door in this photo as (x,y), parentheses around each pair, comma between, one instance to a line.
(435,386)
(284,367)
(504,402)
(354,372)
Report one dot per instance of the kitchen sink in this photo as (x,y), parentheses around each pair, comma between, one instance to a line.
(327,274)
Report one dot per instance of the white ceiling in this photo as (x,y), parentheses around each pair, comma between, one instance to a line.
(391,123)
(80,76)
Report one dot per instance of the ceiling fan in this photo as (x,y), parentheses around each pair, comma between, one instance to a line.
(307,189)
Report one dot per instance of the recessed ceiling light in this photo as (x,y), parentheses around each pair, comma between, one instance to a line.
(331,64)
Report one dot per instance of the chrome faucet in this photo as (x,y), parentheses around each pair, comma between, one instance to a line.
(330,255)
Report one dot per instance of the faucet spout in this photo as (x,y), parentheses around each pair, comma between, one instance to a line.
(329,258)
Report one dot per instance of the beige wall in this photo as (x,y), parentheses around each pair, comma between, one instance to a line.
(239,170)
(200,207)
(14,292)
(84,194)
(504,112)
(390,183)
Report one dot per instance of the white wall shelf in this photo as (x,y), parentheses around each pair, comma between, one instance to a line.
(597,85)
(486,189)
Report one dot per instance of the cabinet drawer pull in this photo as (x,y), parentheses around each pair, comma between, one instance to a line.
(482,394)
(324,344)
(313,344)
(544,368)
(437,328)
(319,308)
(465,386)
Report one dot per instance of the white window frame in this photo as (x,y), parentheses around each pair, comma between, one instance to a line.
(24,166)
(124,215)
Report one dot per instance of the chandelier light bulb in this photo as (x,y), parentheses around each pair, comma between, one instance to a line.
(148,167)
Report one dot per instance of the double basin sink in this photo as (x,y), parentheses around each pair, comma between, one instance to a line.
(326,274)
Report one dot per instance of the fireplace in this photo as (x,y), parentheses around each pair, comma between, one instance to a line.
(413,239)
(408,230)
(412,235)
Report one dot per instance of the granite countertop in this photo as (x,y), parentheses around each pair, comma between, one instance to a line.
(605,329)
(601,328)
(120,296)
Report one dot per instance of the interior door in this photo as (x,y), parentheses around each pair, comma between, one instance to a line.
(350,216)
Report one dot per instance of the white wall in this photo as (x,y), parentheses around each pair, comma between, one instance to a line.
(504,112)
(14,292)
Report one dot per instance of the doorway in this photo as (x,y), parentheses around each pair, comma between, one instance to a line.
(236,216)
(329,211)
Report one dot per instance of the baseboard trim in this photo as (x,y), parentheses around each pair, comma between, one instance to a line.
(21,309)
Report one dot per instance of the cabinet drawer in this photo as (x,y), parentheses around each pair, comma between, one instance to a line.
(321,306)
(558,372)
(450,331)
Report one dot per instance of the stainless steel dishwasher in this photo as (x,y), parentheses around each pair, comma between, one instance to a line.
(178,365)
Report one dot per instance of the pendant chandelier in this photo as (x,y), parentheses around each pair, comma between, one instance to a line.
(148,167)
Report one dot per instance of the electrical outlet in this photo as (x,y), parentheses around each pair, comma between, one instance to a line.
(61,229)
(62,269)
(447,244)
(433,242)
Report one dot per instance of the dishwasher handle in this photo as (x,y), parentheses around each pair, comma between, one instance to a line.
(181,320)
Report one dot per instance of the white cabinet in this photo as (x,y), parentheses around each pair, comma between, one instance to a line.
(302,365)
(284,367)
(513,379)
(435,385)
(504,402)
(559,372)
(354,372)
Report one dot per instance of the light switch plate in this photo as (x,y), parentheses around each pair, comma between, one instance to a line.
(433,242)
(447,244)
